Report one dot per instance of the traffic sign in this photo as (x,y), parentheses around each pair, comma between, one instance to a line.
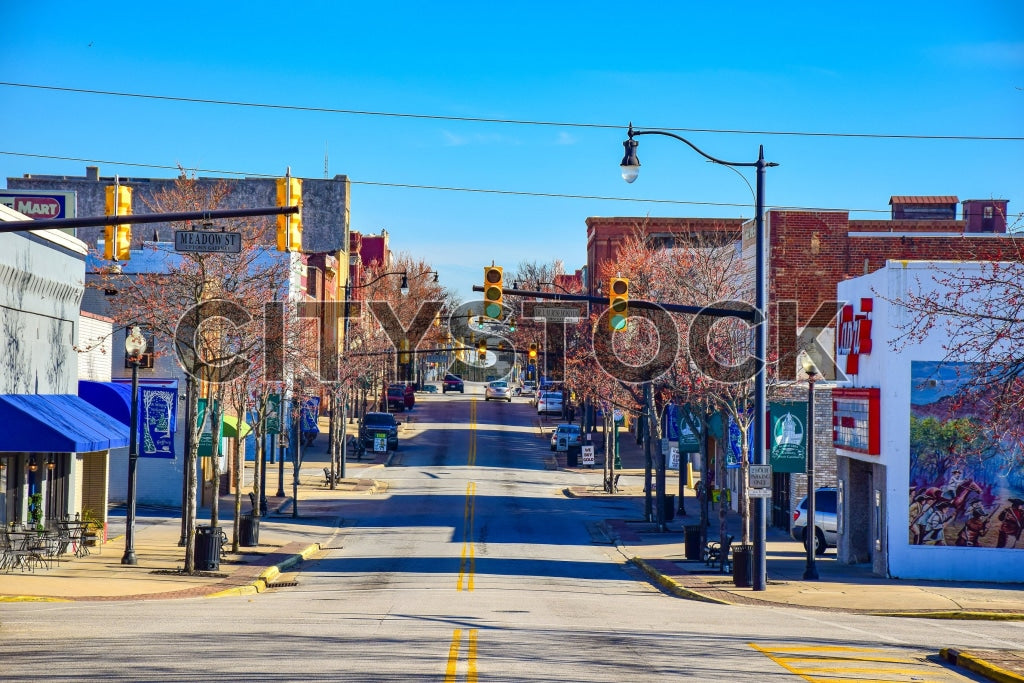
(208,241)
(759,493)
(760,477)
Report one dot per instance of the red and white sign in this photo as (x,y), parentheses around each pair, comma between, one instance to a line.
(855,334)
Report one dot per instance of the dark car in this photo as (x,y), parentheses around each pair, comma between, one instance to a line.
(379,432)
(398,398)
(409,392)
(453,383)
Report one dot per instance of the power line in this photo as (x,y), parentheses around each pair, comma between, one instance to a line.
(444,188)
(480,119)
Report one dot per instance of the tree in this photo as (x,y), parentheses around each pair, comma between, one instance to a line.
(212,306)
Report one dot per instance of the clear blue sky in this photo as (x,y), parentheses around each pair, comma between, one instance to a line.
(906,68)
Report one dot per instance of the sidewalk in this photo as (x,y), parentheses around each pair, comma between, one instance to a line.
(839,588)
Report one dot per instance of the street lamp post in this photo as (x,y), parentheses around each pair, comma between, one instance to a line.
(811,531)
(135,346)
(630,168)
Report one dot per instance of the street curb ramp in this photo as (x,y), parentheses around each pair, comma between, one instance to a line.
(266,578)
(973,663)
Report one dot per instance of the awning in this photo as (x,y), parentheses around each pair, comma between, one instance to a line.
(229,427)
(112,398)
(57,423)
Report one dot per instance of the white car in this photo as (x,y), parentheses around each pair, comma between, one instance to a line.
(529,389)
(565,436)
(498,390)
(550,402)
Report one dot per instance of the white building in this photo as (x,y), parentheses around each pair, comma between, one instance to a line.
(913,505)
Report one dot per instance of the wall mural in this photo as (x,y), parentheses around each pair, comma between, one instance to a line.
(966,469)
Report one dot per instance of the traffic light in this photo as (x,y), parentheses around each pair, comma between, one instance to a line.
(289,226)
(481,350)
(618,303)
(533,351)
(117,239)
(493,292)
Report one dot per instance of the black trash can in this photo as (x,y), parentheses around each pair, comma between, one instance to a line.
(207,555)
(572,456)
(669,509)
(742,565)
(692,541)
(248,531)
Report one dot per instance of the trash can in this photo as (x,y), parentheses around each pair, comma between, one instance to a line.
(691,541)
(207,555)
(669,509)
(572,456)
(248,531)
(742,565)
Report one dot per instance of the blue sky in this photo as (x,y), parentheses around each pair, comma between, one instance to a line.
(908,68)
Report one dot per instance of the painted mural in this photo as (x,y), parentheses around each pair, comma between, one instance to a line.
(966,469)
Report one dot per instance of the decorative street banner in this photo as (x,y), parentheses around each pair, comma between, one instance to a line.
(676,429)
(734,454)
(273,416)
(158,409)
(206,437)
(310,421)
(789,436)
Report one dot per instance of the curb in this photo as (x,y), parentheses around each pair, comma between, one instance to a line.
(672,586)
(263,581)
(979,666)
(962,616)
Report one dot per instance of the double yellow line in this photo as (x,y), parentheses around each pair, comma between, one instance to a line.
(467,567)
(453,657)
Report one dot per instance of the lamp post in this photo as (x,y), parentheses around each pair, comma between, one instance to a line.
(134,346)
(811,530)
(630,168)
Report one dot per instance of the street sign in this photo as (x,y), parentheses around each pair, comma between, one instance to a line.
(558,313)
(759,493)
(673,456)
(760,477)
(208,241)
(587,455)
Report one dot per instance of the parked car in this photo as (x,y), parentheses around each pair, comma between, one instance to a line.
(550,402)
(565,437)
(378,432)
(400,397)
(529,388)
(825,521)
(452,383)
(429,388)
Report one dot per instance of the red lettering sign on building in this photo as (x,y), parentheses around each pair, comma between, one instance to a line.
(855,334)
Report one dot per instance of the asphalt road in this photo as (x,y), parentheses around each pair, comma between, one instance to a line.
(473,566)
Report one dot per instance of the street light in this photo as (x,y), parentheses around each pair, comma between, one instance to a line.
(630,168)
(811,530)
(134,346)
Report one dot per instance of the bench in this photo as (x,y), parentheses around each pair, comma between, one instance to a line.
(717,553)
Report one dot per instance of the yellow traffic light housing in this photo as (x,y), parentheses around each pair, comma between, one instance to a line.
(117,239)
(618,303)
(289,226)
(533,351)
(481,350)
(493,291)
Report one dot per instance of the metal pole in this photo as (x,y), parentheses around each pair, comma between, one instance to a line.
(810,535)
(133,463)
(281,442)
(760,577)
(263,472)
(296,462)
(189,419)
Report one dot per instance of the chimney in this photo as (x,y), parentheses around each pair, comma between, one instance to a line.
(92,173)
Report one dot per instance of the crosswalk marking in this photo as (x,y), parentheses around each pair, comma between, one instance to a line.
(846,664)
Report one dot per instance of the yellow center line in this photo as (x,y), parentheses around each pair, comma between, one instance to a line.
(468,546)
(451,668)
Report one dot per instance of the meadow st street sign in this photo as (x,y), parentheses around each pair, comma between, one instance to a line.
(208,241)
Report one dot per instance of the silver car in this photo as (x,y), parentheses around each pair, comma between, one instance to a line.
(498,390)
(550,402)
(825,521)
(565,436)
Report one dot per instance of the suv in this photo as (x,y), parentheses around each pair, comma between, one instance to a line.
(452,383)
(565,436)
(825,525)
(379,432)
(396,398)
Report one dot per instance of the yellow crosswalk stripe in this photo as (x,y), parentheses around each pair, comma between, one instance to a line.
(835,663)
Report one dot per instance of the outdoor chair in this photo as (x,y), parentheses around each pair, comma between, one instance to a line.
(719,553)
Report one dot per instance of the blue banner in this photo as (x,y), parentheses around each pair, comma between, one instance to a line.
(310,421)
(158,416)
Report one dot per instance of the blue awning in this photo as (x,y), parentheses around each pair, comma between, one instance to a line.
(112,398)
(57,423)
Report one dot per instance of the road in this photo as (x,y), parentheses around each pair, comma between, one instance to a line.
(473,566)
